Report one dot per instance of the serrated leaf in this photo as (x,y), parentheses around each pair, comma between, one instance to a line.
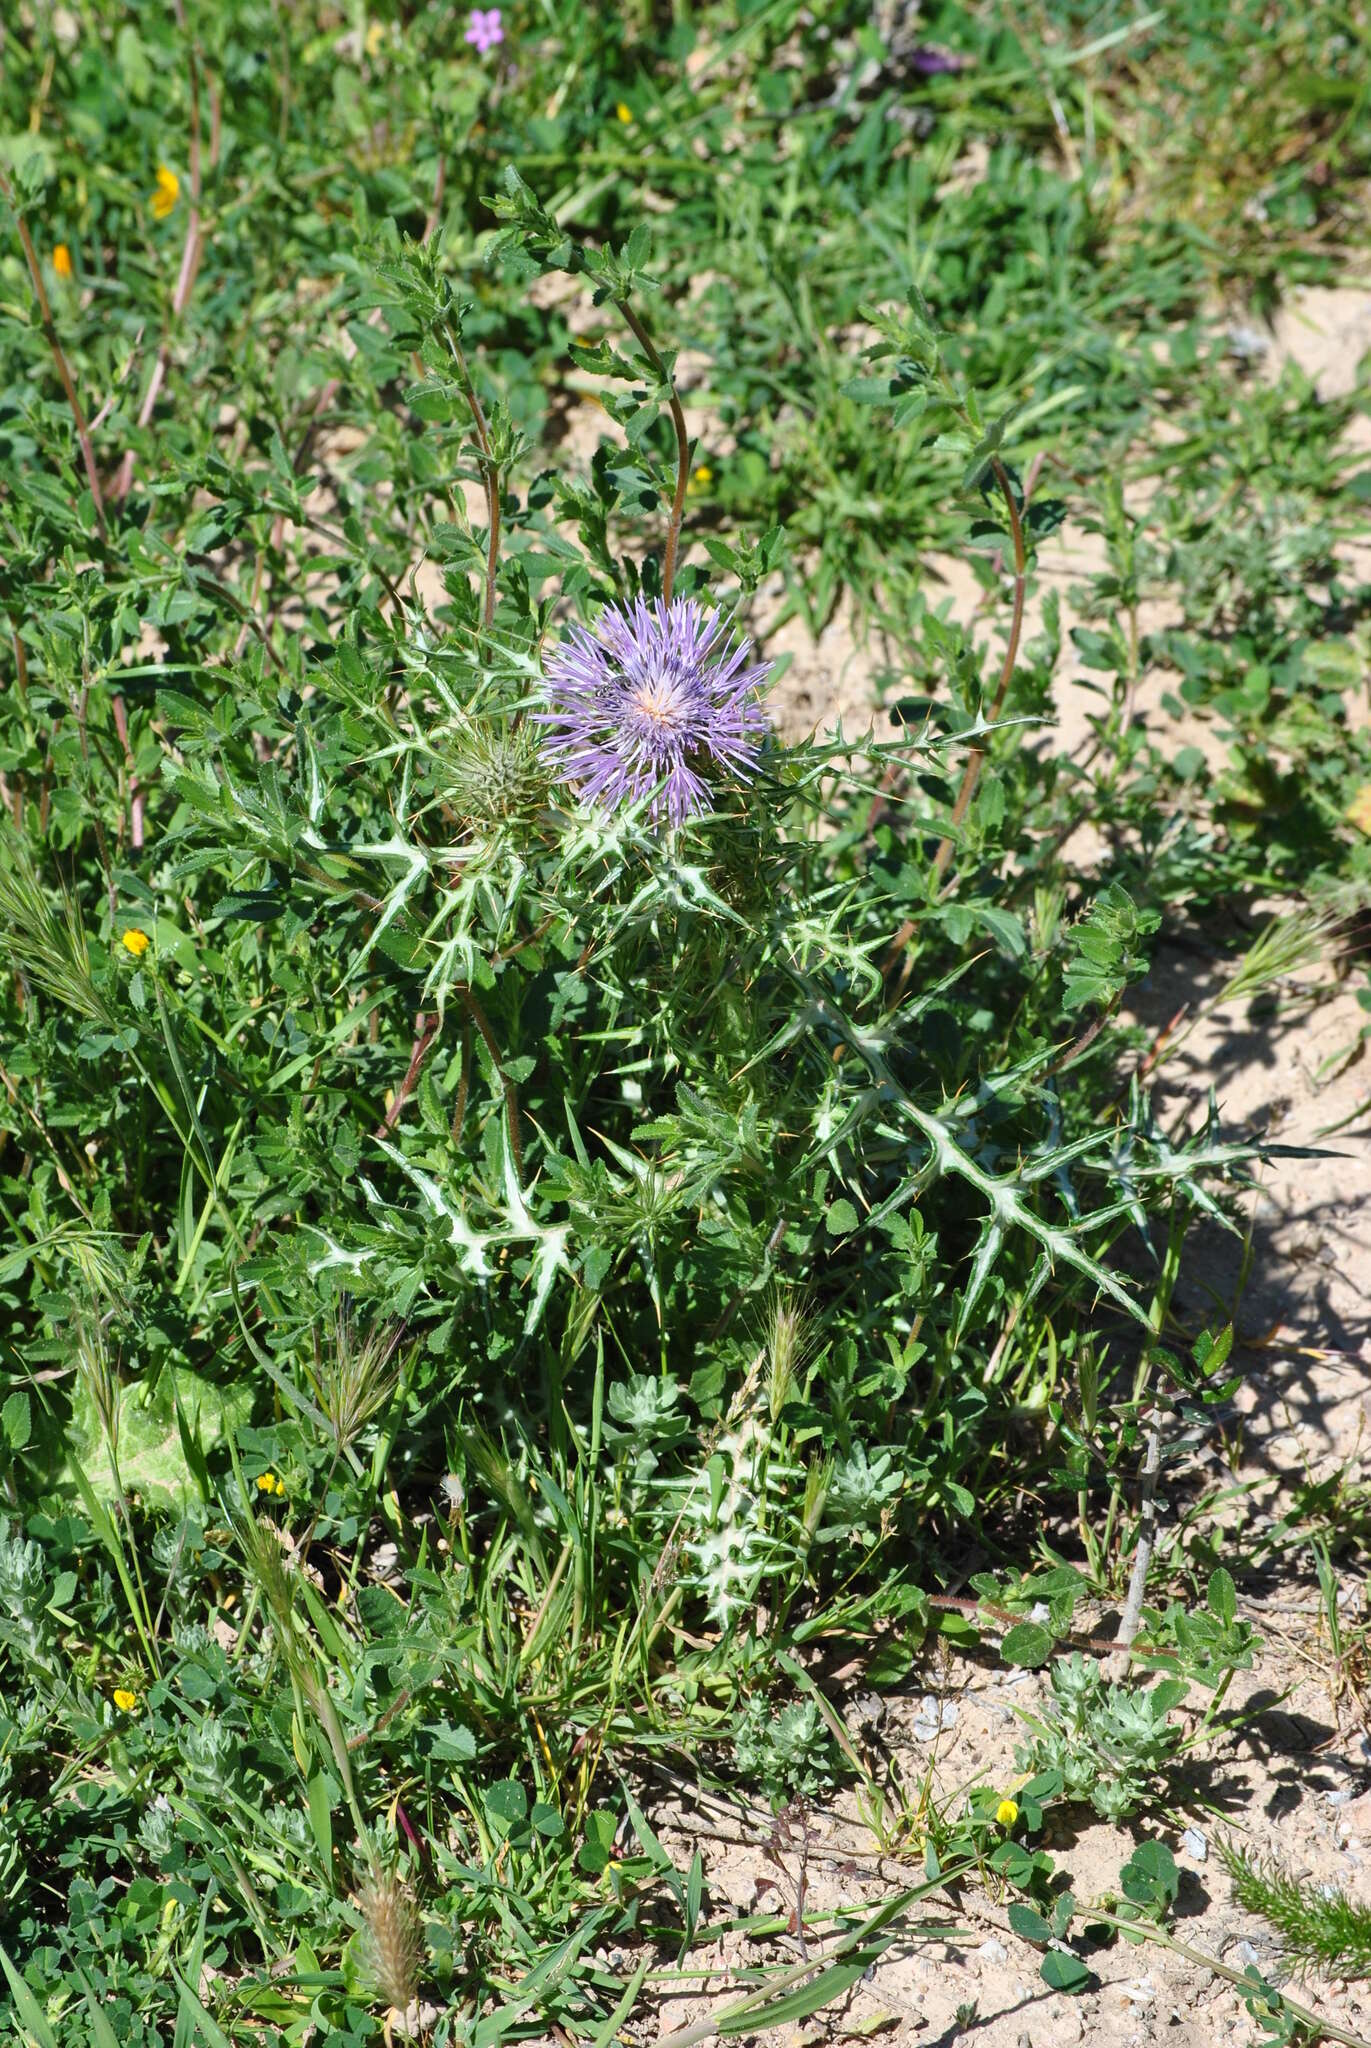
(152,1454)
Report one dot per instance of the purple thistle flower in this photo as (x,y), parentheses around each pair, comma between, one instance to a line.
(484,29)
(644,704)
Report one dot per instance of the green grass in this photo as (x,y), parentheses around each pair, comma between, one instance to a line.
(490,1289)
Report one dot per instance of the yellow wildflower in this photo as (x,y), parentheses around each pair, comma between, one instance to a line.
(625,114)
(1359,810)
(376,35)
(1007,1812)
(62,263)
(703,474)
(125,1700)
(165,192)
(269,1483)
(136,942)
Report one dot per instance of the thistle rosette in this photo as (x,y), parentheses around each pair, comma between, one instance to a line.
(655,703)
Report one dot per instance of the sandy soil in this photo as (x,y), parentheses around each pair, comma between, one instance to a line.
(1291,1778)
(1290,1772)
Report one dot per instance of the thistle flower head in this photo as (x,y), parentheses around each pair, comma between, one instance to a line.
(649,702)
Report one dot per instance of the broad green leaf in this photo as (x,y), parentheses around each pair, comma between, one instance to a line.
(1028,1922)
(1063,1971)
(1027,1643)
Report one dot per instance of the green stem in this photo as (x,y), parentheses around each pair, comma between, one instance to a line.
(490,471)
(942,859)
(673,531)
(1323,2030)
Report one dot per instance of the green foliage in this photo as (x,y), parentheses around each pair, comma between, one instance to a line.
(786,1755)
(1318,1925)
(1104,955)
(1109,1742)
(488,1285)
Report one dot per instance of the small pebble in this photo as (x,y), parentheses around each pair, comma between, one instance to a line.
(991,1952)
(934,1717)
(1195,1843)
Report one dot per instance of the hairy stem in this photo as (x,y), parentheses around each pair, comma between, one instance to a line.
(1131,1618)
(673,531)
(490,471)
(1320,2029)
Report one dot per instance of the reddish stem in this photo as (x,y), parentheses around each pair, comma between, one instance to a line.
(59,359)
(190,252)
(121,726)
(425,1031)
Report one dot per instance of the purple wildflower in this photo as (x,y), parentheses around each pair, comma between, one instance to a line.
(929,61)
(484,29)
(641,706)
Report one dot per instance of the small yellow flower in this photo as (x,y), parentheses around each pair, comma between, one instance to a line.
(625,114)
(376,35)
(165,192)
(1359,810)
(62,263)
(1007,1812)
(136,942)
(269,1483)
(703,474)
(125,1700)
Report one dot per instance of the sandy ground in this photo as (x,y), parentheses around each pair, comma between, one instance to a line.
(1291,1778)
(1290,1772)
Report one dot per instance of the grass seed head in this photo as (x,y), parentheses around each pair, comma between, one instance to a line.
(394,1940)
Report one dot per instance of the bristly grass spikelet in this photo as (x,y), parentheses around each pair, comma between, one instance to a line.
(355,1375)
(393,1942)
